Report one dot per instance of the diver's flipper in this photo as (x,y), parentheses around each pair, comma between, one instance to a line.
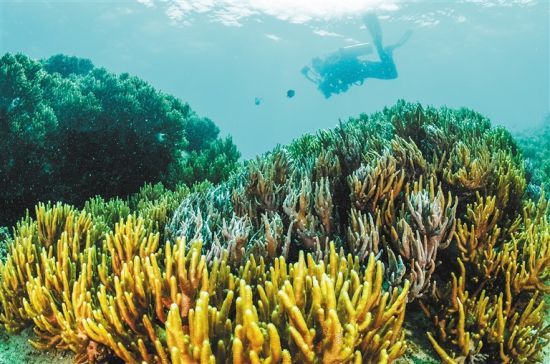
(373,25)
(403,39)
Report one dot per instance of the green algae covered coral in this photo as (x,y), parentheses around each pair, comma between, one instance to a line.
(70,131)
(535,144)
(318,251)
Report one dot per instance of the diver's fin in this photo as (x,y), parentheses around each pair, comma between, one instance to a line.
(373,25)
(403,39)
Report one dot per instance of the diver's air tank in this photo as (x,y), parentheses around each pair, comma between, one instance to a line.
(357,50)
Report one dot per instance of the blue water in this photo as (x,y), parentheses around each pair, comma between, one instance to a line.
(489,55)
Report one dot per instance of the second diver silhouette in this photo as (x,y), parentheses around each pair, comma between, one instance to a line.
(346,67)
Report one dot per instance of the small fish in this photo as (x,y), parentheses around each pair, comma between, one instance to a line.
(257,101)
(161,137)
(290,93)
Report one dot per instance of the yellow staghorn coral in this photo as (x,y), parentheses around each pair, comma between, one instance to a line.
(19,267)
(508,183)
(525,257)
(314,312)
(131,309)
(478,242)
(505,326)
(57,293)
(483,233)
(179,310)
(495,311)
(44,262)
(51,222)
(468,167)
(530,268)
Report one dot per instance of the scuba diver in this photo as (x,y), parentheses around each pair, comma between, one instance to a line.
(348,66)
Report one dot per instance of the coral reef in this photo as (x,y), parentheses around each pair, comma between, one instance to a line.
(417,187)
(316,252)
(493,308)
(127,296)
(535,144)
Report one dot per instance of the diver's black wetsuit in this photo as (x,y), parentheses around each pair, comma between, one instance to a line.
(338,73)
(352,71)
(384,69)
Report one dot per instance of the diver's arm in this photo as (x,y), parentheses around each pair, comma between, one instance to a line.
(306,71)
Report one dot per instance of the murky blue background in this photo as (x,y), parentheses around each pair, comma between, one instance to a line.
(489,55)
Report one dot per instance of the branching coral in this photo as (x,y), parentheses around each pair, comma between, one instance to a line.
(298,207)
(332,313)
(409,157)
(59,231)
(139,301)
(236,235)
(427,226)
(363,236)
(505,329)
(476,242)
(372,185)
(47,274)
(496,311)
(265,180)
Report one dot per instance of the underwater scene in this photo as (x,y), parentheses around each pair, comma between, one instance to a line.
(274,181)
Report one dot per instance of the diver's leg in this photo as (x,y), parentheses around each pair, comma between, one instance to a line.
(384,69)
(389,70)
(373,25)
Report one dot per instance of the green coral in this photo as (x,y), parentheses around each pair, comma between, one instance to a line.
(535,144)
(4,240)
(70,131)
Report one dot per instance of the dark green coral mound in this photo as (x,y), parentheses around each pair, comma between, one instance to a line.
(535,144)
(70,130)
